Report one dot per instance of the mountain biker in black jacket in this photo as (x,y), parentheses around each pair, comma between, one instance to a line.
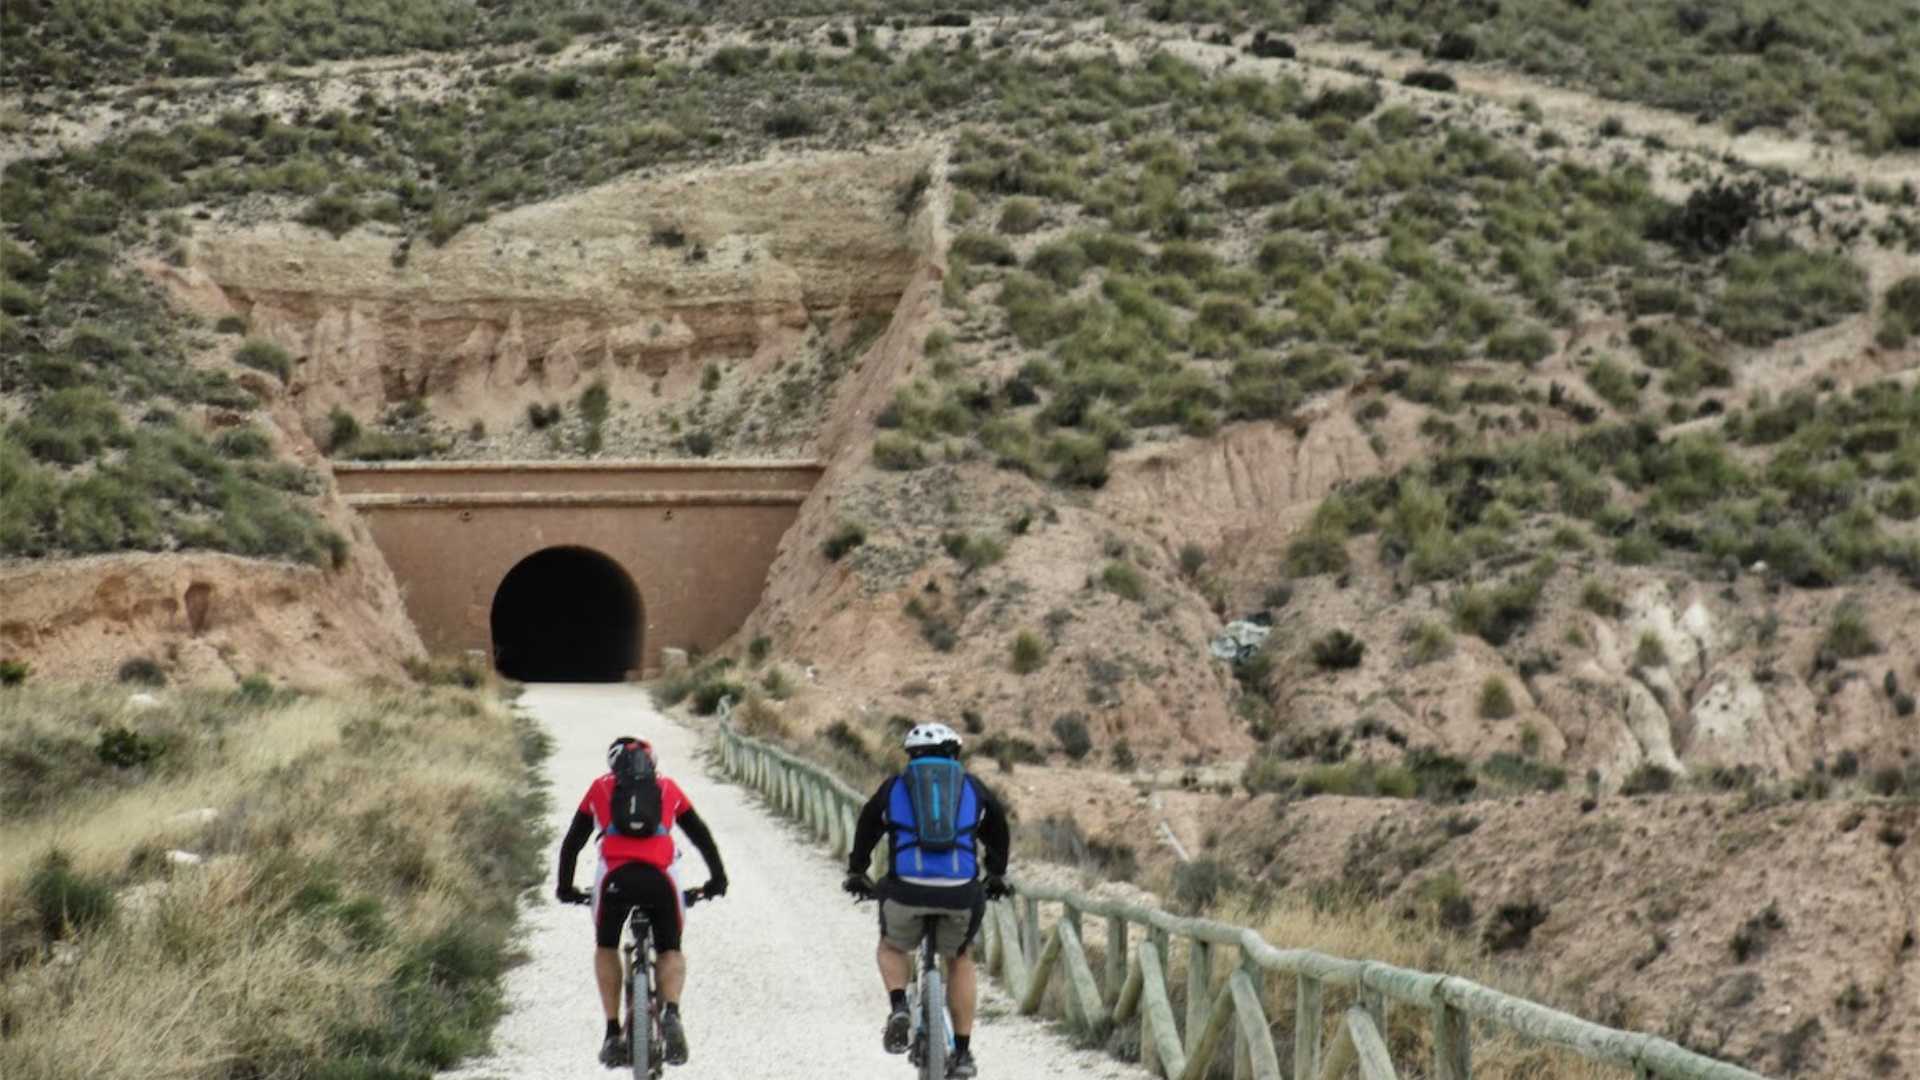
(940,881)
(637,872)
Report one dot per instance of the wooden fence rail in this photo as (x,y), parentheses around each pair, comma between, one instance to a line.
(1027,959)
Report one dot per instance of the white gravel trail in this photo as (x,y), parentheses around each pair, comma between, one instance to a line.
(781,982)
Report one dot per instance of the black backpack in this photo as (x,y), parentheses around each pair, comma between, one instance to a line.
(636,794)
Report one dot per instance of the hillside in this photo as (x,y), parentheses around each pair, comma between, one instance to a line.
(1556,409)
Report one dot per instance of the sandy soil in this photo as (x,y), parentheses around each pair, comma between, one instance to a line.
(781,980)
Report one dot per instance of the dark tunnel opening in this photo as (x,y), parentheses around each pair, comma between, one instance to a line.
(566,615)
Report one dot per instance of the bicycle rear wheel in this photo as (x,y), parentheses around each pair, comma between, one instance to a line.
(933,1008)
(640,1023)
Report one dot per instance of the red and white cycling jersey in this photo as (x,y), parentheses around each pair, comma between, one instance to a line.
(616,850)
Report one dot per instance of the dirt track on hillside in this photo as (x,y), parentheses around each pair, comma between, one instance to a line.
(780,971)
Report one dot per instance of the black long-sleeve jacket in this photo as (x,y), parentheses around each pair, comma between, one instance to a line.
(688,822)
(992,835)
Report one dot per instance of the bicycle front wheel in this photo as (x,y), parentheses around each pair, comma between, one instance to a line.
(933,1009)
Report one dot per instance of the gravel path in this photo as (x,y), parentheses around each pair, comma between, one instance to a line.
(780,982)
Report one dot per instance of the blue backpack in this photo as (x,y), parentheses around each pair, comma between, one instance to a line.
(932,813)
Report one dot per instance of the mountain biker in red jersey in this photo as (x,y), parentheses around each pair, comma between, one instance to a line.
(936,818)
(638,871)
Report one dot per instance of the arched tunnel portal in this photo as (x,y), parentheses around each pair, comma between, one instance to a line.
(578,570)
(566,614)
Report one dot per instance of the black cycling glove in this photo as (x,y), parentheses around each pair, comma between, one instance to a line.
(716,887)
(998,888)
(858,886)
(567,894)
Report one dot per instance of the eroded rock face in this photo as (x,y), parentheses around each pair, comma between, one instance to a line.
(632,282)
(205,617)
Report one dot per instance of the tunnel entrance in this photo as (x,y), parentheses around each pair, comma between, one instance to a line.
(566,614)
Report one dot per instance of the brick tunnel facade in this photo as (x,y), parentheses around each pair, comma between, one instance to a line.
(578,571)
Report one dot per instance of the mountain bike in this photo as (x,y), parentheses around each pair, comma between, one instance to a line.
(930,1042)
(648,1055)
(932,1039)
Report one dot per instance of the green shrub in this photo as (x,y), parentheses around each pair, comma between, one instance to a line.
(973,551)
(245,443)
(1021,216)
(342,430)
(1192,558)
(142,670)
(791,122)
(14,672)
(335,212)
(1496,700)
(1071,731)
(1496,614)
(265,356)
(1514,771)
(1337,650)
(1848,636)
(72,426)
(842,540)
(1900,313)
(1122,580)
(1650,651)
(1596,596)
(898,452)
(1526,344)
(1060,261)
(1614,385)
(985,248)
(1199,885)
(1648,779)
(1427,642)
(595,402)
(1029,652)
(65,901)
(1078,460)
(1778,289)
(707,696)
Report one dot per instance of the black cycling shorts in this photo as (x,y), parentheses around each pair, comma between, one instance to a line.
(637,885)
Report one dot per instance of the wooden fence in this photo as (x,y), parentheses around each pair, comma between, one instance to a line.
(1138,955)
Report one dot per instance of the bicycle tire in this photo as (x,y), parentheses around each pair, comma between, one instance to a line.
(640,1023)
(933,1063)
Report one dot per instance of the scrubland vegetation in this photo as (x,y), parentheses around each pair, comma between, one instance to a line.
(1845,68)
(258,882)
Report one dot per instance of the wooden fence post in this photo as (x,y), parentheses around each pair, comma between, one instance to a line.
(1219,1015)
(1370,1046)
(1042,972)
(1251,1017)
(1083,993)
(1159,1039)
(1242,1046)
(1030,927)
(1116,956)
(1374,1003)
(1199,989)
(1307,1027)
(1452,1044)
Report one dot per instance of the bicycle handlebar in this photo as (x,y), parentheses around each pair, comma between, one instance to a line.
(689,897)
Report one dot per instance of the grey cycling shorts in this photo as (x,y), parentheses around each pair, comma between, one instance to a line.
(903,925)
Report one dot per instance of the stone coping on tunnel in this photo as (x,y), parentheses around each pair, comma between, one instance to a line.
(388,501)
(623,465)
(576,477)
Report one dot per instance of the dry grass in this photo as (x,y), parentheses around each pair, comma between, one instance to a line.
(1362,929)
(338,925)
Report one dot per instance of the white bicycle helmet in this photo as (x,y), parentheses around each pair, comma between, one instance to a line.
(931,738)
